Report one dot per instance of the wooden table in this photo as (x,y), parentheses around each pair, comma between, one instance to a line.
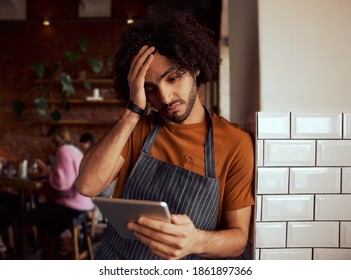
(23,186)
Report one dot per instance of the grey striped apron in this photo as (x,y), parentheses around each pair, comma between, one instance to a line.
(184,191)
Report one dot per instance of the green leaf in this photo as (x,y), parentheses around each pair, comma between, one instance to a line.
(56,115)
(39,69)
(42,105)
(83,44)
(87,84)
(72,56)
(18,106)
(65,78)
(57,66)
(66,83)
(96,64)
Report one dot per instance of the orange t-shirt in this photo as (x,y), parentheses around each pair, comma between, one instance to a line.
(183,145)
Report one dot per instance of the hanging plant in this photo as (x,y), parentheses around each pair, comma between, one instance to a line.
(96,64)
(39,93)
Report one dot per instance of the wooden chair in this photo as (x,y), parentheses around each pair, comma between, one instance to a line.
(2,248)
(82,237)
(9,247)
(81,241)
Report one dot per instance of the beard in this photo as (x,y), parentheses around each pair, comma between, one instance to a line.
(179,118)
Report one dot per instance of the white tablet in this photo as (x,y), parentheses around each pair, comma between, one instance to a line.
(121,211)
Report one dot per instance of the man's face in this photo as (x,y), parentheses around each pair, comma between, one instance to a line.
(170,90)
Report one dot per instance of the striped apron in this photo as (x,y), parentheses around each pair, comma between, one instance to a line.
(184,191)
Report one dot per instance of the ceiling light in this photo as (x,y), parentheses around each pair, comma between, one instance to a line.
(46,21)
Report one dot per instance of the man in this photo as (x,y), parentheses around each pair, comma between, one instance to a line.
(198,163)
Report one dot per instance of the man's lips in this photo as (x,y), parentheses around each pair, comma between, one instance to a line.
(172,107)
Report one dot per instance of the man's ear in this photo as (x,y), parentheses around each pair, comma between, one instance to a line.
(197,72)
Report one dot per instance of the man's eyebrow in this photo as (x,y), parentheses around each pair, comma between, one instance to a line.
(163,75)
(168,71)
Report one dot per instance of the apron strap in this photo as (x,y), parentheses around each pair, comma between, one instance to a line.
(209,152)
(149,142)
(209,145)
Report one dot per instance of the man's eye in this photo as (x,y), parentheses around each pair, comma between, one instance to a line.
(178,74)
(173,78)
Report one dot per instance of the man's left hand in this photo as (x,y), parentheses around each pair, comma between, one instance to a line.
(169,241)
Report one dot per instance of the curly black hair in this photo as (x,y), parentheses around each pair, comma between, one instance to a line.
(176,35)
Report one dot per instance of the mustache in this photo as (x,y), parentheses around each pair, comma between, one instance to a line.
(166,106)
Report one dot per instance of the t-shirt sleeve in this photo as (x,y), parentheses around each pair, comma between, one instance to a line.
(238,189)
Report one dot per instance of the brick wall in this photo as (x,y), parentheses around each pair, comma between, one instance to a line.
(26,42)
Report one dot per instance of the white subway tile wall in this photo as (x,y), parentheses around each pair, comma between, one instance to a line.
(289,152)
(273,125)
(287,207)
(303,186)
(332,254)
(313,234)
(316,126)
(315,180)
(346,180)
(334,153)
(259,152)
(333,207)
(258,207)
(345,235)
(272,180)
(271,235)
(347,126)
(286,254)
(257,254)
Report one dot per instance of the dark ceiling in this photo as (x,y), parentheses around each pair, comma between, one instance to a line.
(206,11)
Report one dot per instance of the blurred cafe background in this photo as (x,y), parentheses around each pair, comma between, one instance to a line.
(56,62)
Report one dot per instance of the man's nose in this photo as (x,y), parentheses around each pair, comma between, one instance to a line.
(166,94)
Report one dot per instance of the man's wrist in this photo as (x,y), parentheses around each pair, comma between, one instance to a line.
(136,109)
(201,239)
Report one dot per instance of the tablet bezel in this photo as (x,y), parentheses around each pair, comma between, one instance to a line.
(119,212)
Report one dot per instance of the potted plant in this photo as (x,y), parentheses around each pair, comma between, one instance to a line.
(39,93)
(81,60)
(48,77)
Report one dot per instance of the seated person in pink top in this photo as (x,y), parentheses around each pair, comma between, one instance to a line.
(56,216)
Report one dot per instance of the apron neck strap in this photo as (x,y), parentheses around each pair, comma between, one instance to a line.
(209,150)
(209,144)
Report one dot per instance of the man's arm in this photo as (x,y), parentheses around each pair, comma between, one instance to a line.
(101,165)
(231,241)
(180,238)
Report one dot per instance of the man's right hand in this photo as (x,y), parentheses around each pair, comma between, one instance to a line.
(136,76)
